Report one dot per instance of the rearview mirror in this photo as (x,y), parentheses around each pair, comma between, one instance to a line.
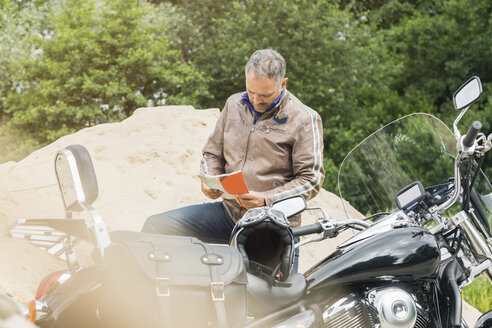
(76,177)
(468,93)
(290,206)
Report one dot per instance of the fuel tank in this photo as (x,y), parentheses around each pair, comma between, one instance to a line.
(402,254)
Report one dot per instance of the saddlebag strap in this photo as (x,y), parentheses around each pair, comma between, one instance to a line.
(216,286)
(162,286)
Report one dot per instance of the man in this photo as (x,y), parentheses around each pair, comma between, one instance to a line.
(270,136)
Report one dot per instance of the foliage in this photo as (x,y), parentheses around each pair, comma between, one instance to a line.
(94,62)
(329,58)
(361,64)
(478,294)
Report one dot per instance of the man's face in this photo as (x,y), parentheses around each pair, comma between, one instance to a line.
(262,92)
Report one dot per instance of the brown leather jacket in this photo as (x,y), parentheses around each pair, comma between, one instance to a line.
(281,155)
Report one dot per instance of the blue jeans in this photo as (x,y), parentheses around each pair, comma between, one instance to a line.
(208,222)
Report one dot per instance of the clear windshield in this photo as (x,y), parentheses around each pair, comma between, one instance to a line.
(417,147)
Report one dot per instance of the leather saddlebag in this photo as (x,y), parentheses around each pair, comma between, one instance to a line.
(153,280)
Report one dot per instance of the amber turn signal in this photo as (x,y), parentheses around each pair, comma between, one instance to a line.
(31,306)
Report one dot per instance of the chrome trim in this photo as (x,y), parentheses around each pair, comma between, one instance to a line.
(445,254)
(305,241)
(387,301)
(331,228)
(384,225)
(325,215)
(75,174)
(453,221)
(475,238)
(361,223)
(481,229)
(23,310)
(42,310)
(457,133)
(475,271)
(304,319)
(457,186)
(343,305)
(99,227)
(64,277)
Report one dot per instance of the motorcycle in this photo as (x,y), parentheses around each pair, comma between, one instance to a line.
(425,235)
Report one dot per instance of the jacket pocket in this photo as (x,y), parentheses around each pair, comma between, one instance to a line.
(269,129)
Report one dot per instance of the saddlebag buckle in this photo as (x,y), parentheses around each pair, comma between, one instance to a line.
(162,286)
(217,289)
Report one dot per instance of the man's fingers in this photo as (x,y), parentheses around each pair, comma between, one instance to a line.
(246,196)
(211,193)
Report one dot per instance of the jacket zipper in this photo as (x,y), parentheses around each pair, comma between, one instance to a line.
(247,145)
(268,129)
(247,142)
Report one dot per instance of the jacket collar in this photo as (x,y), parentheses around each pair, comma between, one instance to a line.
(279,101)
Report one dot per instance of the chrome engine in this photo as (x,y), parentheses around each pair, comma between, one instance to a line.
(380,307)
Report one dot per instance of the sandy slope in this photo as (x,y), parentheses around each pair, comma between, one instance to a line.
(144,165)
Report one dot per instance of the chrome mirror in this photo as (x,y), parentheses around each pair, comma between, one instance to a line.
(468,93)
(290,206)
(76,177)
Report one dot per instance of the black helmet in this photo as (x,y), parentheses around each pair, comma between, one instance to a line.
(264,238)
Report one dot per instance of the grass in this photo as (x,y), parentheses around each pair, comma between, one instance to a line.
(479,294)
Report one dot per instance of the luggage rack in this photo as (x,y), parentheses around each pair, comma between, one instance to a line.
(46,238)
(46,235)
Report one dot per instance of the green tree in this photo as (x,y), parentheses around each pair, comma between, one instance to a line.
(437,50)
(326,49)
(18,25)
(97,61)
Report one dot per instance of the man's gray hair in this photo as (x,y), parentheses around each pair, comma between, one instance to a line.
(267,63)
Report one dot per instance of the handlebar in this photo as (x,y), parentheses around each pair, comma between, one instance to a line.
(307,230)
(472,133)
(329,227)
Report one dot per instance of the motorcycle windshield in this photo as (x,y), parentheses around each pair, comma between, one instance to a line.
(417,147)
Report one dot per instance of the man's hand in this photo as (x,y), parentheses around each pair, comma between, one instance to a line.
(252,200)
(211,193)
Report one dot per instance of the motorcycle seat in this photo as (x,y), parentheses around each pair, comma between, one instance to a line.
(263,298)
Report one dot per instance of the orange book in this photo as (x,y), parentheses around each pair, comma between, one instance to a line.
(230,183)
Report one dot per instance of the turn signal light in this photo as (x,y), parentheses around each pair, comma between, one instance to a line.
(31,315)
(47,282)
